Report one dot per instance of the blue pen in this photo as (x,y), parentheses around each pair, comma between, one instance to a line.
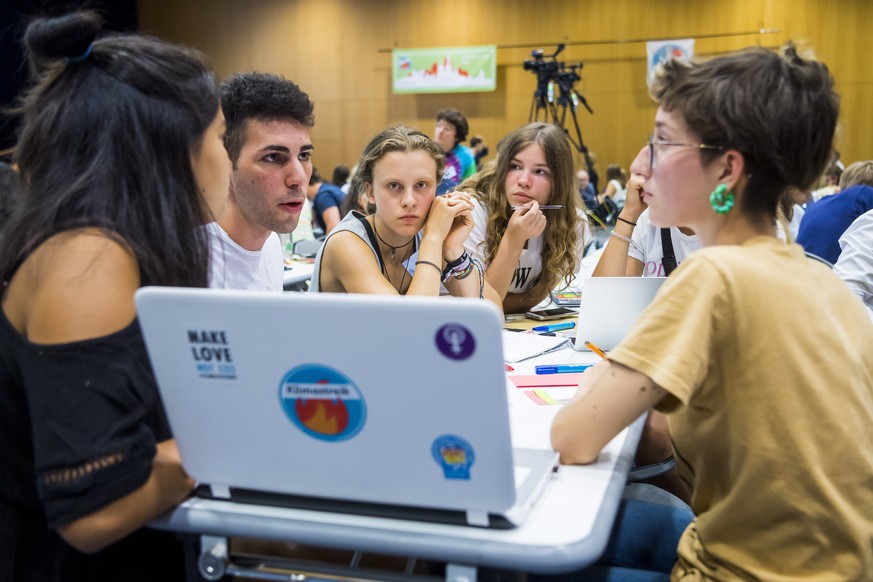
(562,368)
(555,326)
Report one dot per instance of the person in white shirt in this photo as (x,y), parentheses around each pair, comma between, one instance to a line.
(616,186)
(855,265)
(530,229)
(267,139)
(635,246)
(413,242)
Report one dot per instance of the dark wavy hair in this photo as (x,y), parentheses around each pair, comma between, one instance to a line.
(457,119)
(264,97)
(10,188)
(777,109)
(109,130)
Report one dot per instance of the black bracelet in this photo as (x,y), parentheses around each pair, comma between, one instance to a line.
(626,221)
(434,265)
(452,264)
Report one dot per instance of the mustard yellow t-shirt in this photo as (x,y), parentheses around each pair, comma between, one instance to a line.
(768,360)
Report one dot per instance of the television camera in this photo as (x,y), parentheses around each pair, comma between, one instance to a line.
(555,95)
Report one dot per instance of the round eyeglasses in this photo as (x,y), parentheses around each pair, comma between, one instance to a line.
(662,144)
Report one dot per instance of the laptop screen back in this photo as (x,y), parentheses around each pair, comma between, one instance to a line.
(610,306)
(351,397)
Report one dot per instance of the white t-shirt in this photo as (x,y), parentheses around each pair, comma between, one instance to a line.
(530,262)
(233,267)
(303,230)
(855,265)
(646,247)
(794,225)
(620,193)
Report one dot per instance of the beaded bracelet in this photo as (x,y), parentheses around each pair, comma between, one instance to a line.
(463,273)
(620,237)
(625,239)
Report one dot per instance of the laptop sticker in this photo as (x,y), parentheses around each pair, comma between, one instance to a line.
(322,402)
(211,353)
(455,341)
(454,455)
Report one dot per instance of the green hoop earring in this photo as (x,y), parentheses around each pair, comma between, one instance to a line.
(721,202)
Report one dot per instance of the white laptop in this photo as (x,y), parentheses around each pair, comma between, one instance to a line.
(610,306)
(367,404)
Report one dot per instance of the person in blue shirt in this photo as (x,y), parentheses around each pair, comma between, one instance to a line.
(326,201)
(586,188)
(825,221)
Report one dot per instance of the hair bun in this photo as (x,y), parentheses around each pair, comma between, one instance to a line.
(55,38)
(790,54)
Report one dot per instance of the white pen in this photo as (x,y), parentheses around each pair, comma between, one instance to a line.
(542,207)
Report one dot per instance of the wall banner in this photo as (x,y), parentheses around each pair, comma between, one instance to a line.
(444,70)
(661,50)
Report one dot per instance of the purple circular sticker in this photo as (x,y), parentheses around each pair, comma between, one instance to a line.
(455,341)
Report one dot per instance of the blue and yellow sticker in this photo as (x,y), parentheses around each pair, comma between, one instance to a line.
(454,454)
(322,402)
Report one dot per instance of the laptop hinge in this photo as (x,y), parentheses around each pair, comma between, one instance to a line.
(479,518)
(220,491)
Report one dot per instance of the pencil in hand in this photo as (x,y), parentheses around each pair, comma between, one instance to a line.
(595,349)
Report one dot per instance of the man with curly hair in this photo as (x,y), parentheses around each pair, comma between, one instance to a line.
(267,138)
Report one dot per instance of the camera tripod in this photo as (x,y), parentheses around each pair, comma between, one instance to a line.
(554,109)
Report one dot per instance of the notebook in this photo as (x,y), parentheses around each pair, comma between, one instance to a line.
(609,308)
(391,406)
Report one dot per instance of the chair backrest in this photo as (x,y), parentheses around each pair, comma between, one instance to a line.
(307,248)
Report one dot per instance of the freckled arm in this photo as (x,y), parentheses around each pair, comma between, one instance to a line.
(610,398)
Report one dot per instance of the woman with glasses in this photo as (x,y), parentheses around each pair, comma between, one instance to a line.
(775,442)
(636,247)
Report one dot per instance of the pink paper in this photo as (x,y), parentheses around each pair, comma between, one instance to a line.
(545,380)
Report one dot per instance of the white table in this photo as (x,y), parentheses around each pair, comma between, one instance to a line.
(297,273)
(568,528)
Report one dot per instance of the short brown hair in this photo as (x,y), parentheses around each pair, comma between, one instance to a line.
(457,119)
(779,110)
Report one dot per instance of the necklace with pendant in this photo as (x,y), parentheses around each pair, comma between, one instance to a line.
(393,257)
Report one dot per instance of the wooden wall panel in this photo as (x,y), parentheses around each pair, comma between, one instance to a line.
(335,50)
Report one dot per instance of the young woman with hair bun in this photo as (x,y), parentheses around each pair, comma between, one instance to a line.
(122,159)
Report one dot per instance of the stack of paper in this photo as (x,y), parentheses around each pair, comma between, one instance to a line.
(518,346)
(548,389)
